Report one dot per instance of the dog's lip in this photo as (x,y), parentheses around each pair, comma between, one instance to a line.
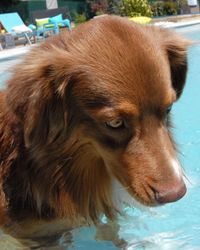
(163,198)
(150,201)
(129,197)
(143,202)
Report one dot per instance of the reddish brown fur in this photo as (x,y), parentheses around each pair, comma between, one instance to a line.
(58,158)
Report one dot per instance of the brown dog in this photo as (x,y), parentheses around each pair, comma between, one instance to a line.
(85,123)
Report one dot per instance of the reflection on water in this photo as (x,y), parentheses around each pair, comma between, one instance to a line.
(164,241)
(141,232)
(60,241)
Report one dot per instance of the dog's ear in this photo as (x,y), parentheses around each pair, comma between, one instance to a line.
(38,95)
(176,49)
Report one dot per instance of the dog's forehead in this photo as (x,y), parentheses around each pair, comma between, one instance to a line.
(126,60)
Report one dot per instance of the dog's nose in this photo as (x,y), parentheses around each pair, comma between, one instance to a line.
(171,194)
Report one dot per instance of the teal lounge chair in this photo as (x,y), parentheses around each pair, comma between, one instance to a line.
(14,25)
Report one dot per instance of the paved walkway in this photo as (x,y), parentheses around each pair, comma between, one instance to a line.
(177,21)
(9,58)
(178,18)
(14,52)
(170,24)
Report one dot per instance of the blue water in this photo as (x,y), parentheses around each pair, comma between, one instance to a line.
(174,226)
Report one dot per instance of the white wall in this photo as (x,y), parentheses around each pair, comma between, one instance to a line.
(192,2)
(51,4)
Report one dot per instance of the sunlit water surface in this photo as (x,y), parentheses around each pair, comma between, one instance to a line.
(174,226)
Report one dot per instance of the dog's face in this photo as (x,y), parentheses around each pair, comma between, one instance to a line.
(109,89)
(125,110)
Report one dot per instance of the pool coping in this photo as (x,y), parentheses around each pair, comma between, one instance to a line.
(12,53)
(173,25)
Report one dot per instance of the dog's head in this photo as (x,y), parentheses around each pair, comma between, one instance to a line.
(98,102)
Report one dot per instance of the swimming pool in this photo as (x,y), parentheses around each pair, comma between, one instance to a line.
(174,226)
(5,66)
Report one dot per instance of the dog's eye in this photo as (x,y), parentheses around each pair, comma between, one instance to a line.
(115,123)
(168,109)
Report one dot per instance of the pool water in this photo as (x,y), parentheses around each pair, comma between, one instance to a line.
(177,225)
(5,66)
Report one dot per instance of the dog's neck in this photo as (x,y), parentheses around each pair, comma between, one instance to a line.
(78,185)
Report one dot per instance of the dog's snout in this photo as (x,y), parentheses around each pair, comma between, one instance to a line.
(170,194)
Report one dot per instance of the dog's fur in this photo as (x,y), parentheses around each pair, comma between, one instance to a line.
(58,156)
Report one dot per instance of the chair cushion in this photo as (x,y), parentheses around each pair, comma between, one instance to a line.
(40,22)
(67,23)
(32,27)
(56,19)
(21,28)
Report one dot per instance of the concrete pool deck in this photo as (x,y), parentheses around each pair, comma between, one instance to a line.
(166,22)
(14,52)
(177,21)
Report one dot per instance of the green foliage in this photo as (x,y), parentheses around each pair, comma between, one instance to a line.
(183,2)
(98,7)
(133,8)
(170,8)
(114,7)
(152,1)
(95,8)
(157,9)
(164,8)
(80,18)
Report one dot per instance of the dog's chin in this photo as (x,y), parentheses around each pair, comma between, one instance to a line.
(121,196)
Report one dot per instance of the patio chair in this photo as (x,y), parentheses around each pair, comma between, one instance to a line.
(15,27)
(51,19)
(52,25)
(44,28)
